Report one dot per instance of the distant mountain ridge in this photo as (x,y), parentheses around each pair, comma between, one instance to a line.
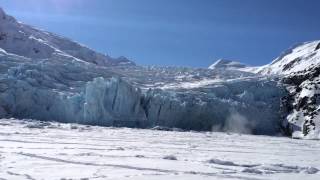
(224,64)
(298,58)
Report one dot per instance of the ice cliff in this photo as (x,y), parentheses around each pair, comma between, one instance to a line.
(66,90)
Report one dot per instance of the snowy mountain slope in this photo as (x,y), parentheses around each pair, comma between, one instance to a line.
(300,68)
(224,64)
(227,64)
(24,40)
(298,58)
(302,106)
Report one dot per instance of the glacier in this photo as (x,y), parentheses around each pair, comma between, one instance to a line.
(64,90)
(48,77)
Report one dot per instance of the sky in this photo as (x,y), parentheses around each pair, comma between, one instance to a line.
(193,33)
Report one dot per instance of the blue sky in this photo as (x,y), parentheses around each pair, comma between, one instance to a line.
(177,32)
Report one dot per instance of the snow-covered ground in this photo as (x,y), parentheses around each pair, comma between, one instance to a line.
(42,150)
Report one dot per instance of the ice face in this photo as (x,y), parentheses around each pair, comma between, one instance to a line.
(251,104)
(112,102)
(67,90)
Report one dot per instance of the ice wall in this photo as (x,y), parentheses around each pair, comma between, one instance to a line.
(244,106)
(64,89)
(103,102)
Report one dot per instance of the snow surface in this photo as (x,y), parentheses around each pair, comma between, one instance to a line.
(44,150)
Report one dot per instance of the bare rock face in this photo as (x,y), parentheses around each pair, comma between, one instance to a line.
(318,47)
(2,14)
(302,104)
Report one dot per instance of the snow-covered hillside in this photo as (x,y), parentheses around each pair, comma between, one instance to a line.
(24,40)
(300,68)
(302,104)
(300,57)
(44,150)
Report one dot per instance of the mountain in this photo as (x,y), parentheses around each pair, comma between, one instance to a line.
(227,64)
(223,64)
(47,77)
(300,68)
(296,59)
(24,40)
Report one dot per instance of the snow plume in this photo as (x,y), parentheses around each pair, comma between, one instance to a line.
(236,123)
